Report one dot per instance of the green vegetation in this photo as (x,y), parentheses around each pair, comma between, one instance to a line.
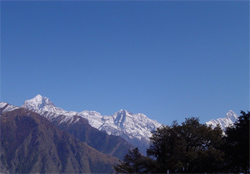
(193,147)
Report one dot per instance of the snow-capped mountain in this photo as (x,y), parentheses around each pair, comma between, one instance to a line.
(225,122)
(75,125)
(43,106)
(135,128)
(5,107)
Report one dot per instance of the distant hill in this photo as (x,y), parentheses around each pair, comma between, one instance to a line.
(32,144)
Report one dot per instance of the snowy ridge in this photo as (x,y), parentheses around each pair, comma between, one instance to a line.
(5,107)
(44,107)
(123,123)
(41,104)
(225,122)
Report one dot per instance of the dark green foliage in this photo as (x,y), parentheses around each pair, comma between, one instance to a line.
(236,145)
(193,148)
(135,162)
(188,148)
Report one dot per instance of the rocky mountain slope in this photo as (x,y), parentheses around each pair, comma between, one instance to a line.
(79,127)
(100,140)
(32,144)
(135,128)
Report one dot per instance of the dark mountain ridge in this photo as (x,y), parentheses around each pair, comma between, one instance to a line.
(30,143)
(100,140)
(80,128)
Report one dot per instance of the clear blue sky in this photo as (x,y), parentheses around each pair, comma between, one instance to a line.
(168,60)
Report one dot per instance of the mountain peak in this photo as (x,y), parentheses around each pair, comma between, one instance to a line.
(38,103)
(124,112)
(225,122)
(39,97)
(232,116)
(230,112)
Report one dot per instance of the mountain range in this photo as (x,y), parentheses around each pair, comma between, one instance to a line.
(225,122)
(134,128)
(40,137)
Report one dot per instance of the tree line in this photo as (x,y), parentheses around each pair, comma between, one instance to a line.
(192,147)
